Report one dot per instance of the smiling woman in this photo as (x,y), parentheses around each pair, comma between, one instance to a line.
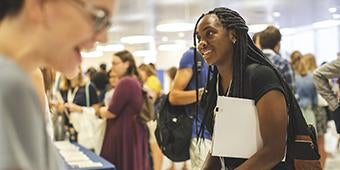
(52,37)
(237,64)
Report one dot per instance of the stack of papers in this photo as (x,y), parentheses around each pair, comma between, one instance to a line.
(75,157)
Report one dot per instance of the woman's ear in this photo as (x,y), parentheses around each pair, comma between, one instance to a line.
(126,64)
(33,10)
(232,36)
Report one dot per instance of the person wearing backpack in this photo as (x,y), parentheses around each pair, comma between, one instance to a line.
(183,93)
(126,135)
(239,69)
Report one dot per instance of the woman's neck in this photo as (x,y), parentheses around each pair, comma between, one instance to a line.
(17,46)
(226,74)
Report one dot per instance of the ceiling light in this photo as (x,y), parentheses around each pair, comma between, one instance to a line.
(92,54)
(332,10)
(111,47)
(175,27)
(326,24)
(171,47)
(144,53)
(181,34)
(165,39)
(137,39)
(257,27)
(276,14)
(336,16)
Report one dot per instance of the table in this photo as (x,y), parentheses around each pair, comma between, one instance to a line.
(92,156)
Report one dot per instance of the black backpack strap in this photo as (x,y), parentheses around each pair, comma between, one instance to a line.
(198,63)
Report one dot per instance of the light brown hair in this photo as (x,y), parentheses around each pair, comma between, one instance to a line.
(309,61)
(295,58)
(148,70)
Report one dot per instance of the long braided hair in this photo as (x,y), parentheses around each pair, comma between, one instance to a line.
(10,7)
(245,53)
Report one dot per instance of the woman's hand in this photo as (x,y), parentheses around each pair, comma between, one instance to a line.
(104,113)
(73,107)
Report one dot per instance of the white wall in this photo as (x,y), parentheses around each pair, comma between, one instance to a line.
(107,58)
(324,43)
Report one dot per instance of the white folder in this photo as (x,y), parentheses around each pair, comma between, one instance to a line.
(236,130)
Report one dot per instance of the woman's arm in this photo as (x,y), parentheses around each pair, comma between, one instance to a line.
(273,119)
(105,113)
(321,75)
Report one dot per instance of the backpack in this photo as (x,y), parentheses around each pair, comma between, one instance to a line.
(174,123)
(174,129)
(302,148)
(148,112)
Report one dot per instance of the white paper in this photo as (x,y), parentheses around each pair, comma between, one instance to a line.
(75,157)
(236,130)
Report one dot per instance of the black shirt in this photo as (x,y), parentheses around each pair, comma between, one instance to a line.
(80,96)
(259,79)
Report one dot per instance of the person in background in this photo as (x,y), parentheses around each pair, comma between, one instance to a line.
(78,92)
(100,81)
(321,77)
(256,39)
(38,82)
(306,91)
(295,58)
(113,81)
(78,98)
(126,135)
(150,80)
(102,67)
(49,78)
(153,66)
(153,87)
(183,93)
(239,69)
(32,34)
(90,72)
(171,73)
(270,41)
(319,111)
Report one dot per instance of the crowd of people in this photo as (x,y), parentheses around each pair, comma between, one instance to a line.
(100,108)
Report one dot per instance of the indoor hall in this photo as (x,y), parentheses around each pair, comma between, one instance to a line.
(154,37)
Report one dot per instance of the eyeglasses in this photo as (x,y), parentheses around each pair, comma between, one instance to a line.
(99,16)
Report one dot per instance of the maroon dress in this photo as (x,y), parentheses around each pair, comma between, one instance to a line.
(126,138)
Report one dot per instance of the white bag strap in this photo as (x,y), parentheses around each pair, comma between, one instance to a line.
(87,94)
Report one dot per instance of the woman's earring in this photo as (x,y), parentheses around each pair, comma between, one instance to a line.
(234,41)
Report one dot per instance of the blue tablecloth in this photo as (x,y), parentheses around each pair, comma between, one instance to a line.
(106,165)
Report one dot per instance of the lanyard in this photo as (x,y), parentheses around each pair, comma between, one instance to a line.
(71,94)
(218,85)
